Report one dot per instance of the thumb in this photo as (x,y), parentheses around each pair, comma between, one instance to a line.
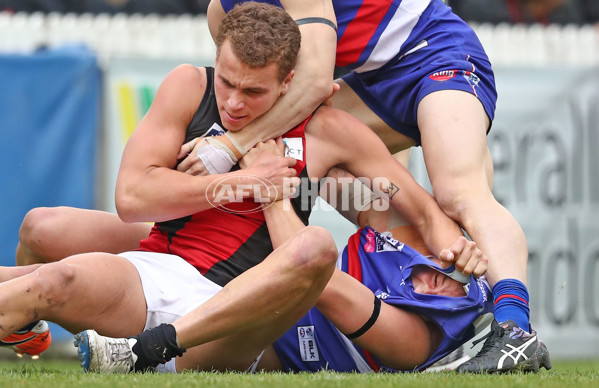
(186,148)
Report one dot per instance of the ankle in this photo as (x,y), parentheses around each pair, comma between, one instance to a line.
(156,346)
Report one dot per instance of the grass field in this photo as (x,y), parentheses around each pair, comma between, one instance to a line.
(53,373)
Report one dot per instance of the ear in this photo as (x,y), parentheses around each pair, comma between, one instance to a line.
(287,82)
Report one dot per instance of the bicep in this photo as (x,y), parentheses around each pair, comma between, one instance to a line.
(299,9)
(161,132)
(319,40)
(215,14)
(351,145)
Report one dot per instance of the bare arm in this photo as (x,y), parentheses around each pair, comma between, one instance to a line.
(313,80)
(281,219)
(148,189)
(337,139)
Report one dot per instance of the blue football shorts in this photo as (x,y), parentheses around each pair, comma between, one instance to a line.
(443,53)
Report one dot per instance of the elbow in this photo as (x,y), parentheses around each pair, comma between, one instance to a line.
(125,207)
(322,88)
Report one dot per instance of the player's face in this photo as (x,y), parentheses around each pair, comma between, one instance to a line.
(244,93)
(427,280)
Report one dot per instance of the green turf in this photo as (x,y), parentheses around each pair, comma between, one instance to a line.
(53,373)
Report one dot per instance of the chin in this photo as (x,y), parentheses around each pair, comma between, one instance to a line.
(234,128)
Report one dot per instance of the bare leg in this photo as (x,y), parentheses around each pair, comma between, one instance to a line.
(9,273)
(453,126)
(259,305)
(51,234)
(346,99)
(94,290)
(348,304)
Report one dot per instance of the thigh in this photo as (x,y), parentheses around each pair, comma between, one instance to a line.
(59,232)
(346,99)
(99,231)
(172,287)
(103,292)
(348,304)
(260,305)
(453,125)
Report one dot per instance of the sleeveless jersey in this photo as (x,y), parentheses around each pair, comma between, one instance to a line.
(384,265)
(223,243)
(372,32)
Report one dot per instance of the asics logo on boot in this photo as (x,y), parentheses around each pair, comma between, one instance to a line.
(517,354)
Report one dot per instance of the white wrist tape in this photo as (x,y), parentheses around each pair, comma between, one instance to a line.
(215,158)
(235,143)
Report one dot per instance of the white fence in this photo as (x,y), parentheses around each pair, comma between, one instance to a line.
(187,36)
(150,36)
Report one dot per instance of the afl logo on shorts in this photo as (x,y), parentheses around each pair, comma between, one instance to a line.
(443,75)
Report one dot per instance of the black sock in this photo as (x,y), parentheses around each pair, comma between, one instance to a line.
(156,346)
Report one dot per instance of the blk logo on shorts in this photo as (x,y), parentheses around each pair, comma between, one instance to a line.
(307,343)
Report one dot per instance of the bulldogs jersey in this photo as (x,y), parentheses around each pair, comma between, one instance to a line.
(372,32)
(403,50)
(384,265)
(223,242)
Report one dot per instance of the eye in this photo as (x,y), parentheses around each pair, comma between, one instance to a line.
(253,92)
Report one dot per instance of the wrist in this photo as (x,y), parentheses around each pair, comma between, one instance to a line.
(228,139)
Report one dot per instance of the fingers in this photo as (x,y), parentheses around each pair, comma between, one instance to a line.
(192,164)
(186,148)
(281,145)
(187,163)
(329,100)
(466,256)
(477,265)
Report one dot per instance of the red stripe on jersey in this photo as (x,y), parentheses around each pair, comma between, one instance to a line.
(207,238)
(511,296)
(211,236)
(359,31)
(354,268)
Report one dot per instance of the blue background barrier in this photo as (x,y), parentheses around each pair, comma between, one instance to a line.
(49,119)
(49,112)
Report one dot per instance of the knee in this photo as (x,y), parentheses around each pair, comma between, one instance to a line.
(459,203)
(453,202)
(51,283)
(37,233)
(314,250)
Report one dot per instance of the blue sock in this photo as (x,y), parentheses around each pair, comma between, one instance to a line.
(511,302)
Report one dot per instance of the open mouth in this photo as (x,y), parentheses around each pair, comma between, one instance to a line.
(234,117)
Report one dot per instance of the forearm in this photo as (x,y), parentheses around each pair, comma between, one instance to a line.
(392,181)
(282,222)
(290,110)
(436,228)
(311,84)
(163,194)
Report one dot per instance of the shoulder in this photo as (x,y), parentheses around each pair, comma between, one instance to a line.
(328,122)
(185,84)
(179,94)
(188,76)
